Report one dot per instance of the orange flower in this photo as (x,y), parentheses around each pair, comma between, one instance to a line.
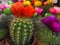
(17,9)
(29,11)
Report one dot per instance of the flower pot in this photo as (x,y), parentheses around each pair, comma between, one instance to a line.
(38,42)
(4,41)
(34,41)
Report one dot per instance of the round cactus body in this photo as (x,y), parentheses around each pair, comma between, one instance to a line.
(47,37)
(3,26)
(21,30)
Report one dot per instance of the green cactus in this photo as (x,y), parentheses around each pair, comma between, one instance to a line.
(3,26)
(46,36)
(3,33)
(21,30)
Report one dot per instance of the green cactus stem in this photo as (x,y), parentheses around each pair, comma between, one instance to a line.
(21,30)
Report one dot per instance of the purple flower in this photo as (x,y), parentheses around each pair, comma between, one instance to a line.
(55,27)
(38,10)
(52,23)
(2,6)
(49,19)
(14,0)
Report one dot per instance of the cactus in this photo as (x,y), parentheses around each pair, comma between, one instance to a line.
(3,26)
(21,30)
(3,33)
(47,37)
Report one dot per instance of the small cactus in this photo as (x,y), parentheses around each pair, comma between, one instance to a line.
(46,36)
(21,30)
(3,26)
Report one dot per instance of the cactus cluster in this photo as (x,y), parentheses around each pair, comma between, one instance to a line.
(21,30)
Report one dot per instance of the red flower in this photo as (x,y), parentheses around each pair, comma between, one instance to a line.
(17,9)
(29,11)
